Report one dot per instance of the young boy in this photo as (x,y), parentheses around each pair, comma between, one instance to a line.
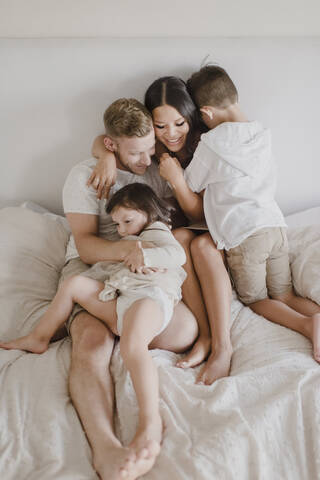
(233,165)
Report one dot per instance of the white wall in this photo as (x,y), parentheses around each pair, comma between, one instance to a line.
(165,18)
(54,91)
(54,88)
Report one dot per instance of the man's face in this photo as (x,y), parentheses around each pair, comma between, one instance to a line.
(134,153)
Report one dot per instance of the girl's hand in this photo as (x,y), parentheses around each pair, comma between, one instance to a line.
(170,169)
(104,174)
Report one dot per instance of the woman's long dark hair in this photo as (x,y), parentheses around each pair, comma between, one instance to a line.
(140,196)
(173,91)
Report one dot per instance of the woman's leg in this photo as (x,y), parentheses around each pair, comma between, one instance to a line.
(141,322)
(217,293)
(192,297)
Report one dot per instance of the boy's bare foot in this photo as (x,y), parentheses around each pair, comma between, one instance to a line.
(29,343)
(198,353)
(217,366)
(316,336)
(146,448)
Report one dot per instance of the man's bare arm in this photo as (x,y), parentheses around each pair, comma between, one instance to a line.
(91,247)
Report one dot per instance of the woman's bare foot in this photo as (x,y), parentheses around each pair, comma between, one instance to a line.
(29,343)
(316,336)
(198,353)
(217,366)
(146,448)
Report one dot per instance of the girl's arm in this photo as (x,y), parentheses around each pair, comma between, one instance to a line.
(104,174)
(166,251)
(190,202)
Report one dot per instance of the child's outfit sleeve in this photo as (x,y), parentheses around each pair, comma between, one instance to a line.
(207,167)
(168,253)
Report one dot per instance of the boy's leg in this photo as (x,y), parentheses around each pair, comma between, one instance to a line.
(141,322)
(216,290)
(192,297)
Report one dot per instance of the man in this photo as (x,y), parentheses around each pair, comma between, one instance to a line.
(130,135)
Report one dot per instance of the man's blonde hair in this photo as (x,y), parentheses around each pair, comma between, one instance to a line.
(126,117)
(212,86)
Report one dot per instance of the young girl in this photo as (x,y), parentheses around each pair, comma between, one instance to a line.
(147,286)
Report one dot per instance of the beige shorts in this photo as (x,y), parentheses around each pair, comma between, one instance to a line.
(260,266)
(75,266)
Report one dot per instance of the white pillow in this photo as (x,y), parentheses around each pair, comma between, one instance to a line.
(32,254)
(304,243)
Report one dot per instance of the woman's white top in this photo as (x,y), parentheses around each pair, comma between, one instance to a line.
(233,163)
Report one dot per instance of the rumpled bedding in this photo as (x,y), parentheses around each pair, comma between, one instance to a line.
(262,422)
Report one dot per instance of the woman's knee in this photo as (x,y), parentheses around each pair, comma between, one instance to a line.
(184,236)
(203,247)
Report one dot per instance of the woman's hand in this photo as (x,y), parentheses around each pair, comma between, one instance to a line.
(170,169)
(104,174)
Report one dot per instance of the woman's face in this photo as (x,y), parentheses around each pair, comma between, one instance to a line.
(170,127)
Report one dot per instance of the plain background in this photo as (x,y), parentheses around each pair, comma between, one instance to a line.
(63,62)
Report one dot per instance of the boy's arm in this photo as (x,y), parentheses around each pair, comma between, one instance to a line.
(91,247)
(104,174)
(190,202)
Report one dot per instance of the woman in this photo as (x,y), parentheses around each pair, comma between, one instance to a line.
(207,289)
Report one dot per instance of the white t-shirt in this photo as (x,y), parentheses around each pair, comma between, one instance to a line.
(233,163)
(78,198)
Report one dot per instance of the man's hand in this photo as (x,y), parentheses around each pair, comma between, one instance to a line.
(135,260)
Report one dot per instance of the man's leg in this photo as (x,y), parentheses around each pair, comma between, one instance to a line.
(92,392)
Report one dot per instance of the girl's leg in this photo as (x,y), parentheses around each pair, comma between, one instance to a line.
(192,297)
(76,289)
(141,323)
(217,293)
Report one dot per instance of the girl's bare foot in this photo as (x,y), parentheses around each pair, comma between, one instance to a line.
(108,464)
(198,354)
(29,343)
(146,448)
(316,336)
(217,366)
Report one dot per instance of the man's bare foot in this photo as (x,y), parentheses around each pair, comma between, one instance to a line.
(217,366)
(108,464)
(146,448)
(316,336)
(198,353)
(29,343)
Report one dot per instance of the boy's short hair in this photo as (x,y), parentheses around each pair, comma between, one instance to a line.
(126,117)
(212,86)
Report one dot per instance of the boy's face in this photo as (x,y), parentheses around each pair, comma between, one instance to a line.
(129,221)
(134,154)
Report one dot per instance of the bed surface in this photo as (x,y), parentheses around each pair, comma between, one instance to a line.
(259,423)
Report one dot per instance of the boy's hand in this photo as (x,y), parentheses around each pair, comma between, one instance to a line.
(170,169)
(104,175)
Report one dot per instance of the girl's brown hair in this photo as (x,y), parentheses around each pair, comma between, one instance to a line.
(140,196)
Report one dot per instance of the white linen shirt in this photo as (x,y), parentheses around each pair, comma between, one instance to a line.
(233,163)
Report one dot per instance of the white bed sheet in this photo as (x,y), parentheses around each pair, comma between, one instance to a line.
(259,423)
